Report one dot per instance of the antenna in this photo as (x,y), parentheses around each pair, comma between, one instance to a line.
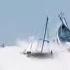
(44,35)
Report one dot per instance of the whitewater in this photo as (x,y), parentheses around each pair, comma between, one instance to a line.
(12,57)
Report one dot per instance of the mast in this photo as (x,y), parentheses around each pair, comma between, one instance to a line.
(66,22)
(44,35)
(62,18)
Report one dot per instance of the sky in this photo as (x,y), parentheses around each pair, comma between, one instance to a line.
(25,18)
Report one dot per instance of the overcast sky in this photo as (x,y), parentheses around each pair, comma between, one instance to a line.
(24,18)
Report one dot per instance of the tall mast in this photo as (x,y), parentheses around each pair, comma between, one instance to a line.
(44,35)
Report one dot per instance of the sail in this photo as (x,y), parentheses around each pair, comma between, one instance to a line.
(64,33)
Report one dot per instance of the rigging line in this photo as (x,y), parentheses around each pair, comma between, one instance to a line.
(65,21)
(60,19)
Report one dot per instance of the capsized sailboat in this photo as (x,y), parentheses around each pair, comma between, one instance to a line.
(40,53)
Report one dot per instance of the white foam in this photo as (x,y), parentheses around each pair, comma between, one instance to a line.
(11,58)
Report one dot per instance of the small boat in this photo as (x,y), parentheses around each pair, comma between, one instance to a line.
(40,53)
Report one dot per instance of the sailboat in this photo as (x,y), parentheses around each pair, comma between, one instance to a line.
(63,31)
(40,53)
